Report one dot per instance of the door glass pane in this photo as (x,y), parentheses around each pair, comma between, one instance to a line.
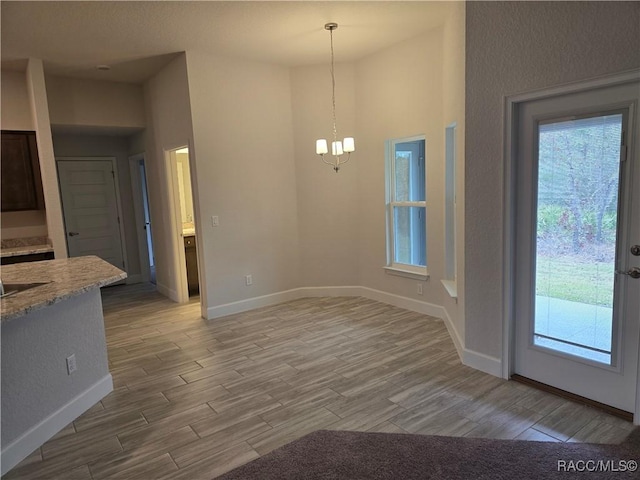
(577,217)
(410,232)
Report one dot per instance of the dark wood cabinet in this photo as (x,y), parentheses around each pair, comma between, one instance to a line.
(32,257)
(21,180)
(191,256)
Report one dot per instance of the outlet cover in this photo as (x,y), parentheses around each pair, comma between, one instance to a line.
(71,364)
(248,280)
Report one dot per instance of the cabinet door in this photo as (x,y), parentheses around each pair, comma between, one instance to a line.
(21,182)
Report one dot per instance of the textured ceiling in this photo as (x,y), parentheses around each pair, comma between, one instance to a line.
(137,38)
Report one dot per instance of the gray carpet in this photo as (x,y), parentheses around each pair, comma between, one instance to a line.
(356,455)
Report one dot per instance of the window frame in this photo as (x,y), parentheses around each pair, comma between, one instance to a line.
(450,281)
(392,267)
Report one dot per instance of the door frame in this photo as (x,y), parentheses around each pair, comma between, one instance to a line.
(136,191)
(116,183)
(176,242)
(510,158)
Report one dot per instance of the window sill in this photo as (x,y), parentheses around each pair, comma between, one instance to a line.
(451,287)
(406,272)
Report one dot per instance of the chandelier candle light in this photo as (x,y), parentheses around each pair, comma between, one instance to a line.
(338,149)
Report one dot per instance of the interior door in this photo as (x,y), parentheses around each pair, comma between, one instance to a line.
(90,208)
(578,218)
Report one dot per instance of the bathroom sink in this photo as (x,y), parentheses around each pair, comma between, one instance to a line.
(13,288)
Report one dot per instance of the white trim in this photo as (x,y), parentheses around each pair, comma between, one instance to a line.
(177,261)
(167,292)
(508,200)
(577,86)
(453,333)
(471,358)
(403,302)
(451,287)
(391,203)
(251,303)
(482,362)
(138,207)
(417,274)
(24,445)
(347,291)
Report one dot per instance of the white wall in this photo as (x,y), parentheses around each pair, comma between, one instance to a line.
(168,119)
(327,201)
(243,160)
(79,145)
(513,48)
(453,111)
(74,101)
(37,91)
(399,94)
(16,113)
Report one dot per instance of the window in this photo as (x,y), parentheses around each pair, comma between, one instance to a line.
(407,207)
(449,280)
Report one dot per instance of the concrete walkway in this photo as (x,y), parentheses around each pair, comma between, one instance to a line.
(575,322)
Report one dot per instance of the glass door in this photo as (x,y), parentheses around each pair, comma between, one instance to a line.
(577,319)
(577,223)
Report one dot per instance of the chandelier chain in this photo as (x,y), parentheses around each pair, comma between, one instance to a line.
(333,90)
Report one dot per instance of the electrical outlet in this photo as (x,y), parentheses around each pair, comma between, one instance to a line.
(419,289)
(215,221)
(71,364)
(248,280)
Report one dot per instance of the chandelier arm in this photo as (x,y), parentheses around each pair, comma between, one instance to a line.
(328,163)
(345,161)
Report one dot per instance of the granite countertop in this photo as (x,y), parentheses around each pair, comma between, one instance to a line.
(25,250)
(68,277)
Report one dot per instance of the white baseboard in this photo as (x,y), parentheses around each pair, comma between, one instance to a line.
(348,291)
(479,361)
(420,307)
(453,333)
(482,362)
(251,303)
(403,302)
(167,292)
(24,445)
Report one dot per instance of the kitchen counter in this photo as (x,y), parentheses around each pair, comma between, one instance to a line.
(68,278)
(25,250)
(54,363)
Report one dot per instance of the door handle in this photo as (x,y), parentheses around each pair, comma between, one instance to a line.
(73,234)
(635,250)
(634,272)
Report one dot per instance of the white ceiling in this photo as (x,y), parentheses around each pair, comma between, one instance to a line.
(137,38)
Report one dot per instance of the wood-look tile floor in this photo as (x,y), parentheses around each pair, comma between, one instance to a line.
(194,398)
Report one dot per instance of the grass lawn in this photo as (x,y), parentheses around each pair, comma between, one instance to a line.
(569,278)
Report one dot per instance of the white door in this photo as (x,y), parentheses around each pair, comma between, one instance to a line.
(578,219)
(90,209)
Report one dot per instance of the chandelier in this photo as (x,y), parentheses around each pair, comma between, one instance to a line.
(338,148)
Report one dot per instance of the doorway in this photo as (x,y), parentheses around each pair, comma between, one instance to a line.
(90,209)
(138,171)
(184,226)
(577,219)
